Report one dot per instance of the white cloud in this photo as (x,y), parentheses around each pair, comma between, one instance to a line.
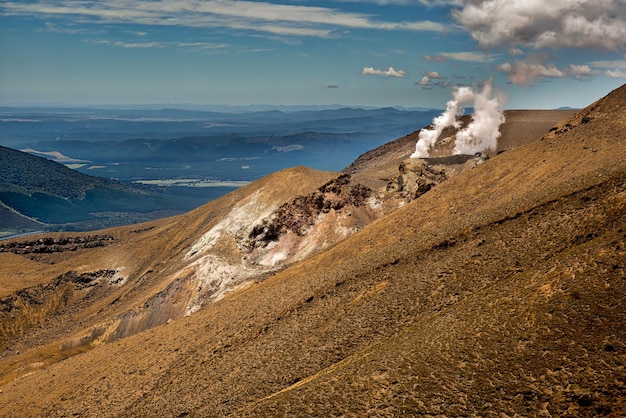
(200,45)
(278,19)
(427,82)
(123,44)
(429,76)
(526,72)
(141,34)
(70,29)
(436,58)
(613,69)
(429,3)
(615,73)
(545,24)
(188,45)
(294,31)
(424,26)
(390,72)
(434,75)
(609,64)
(379,2)
(580,70)
(438,3)
(469,56)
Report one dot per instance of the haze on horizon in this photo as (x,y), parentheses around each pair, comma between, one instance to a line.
(294,52)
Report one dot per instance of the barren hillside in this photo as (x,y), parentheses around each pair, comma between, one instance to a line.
(498,292)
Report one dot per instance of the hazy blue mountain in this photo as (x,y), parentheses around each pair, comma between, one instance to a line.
(36,193)
(25,126)
(146,143)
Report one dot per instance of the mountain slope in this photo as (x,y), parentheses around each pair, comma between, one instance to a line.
(36,174)
(140,276)
(500,291)
(13,221)
(42,194)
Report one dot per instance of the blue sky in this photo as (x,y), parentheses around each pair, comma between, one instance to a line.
(541,54)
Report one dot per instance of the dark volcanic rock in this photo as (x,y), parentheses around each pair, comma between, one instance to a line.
(299,215)
(58,244)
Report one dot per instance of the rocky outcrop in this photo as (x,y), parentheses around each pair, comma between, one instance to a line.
(416,178)
(56,244)
(303,212)
(419,175)
(31,306)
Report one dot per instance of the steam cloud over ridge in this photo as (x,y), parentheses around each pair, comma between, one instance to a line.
(481,134)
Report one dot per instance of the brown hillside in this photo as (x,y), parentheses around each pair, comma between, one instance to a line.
(498,292)
(62,294)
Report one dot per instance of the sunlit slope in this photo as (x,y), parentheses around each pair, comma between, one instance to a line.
(63,294)
(501,290)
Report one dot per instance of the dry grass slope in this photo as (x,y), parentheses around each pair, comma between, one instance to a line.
(500,291)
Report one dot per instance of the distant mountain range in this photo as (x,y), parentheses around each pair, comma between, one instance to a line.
(25,126)
(200,107)
(169,146)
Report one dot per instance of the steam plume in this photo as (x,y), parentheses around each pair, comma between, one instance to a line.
(483,131)
(481,134)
